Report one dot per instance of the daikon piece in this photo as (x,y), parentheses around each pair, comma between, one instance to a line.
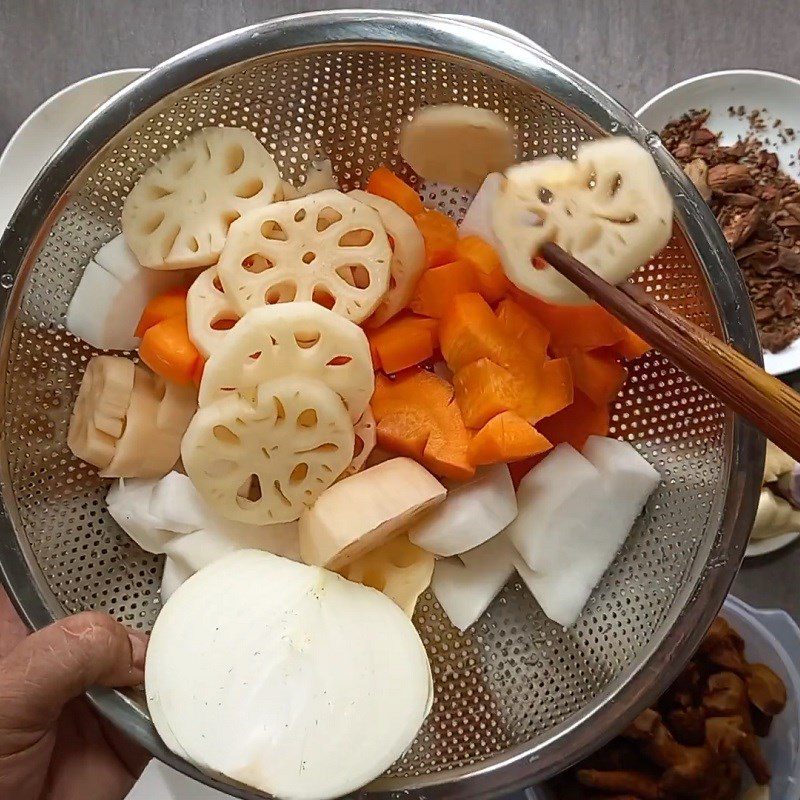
(178,214)
(478,219)
(292,339)
(456,144)
(548,498)
(128,502)
(178,506)
(264,462)
(408,256)
(326,248)
(466,586)
(173,576)
(286,678)
(609,208)
(362,512)
(471,514)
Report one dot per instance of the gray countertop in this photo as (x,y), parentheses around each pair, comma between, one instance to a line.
(631,48)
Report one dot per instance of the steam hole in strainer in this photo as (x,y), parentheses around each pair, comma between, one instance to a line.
(545,195)
(225,434)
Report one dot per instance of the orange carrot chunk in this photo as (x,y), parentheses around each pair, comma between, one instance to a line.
(631,346)
(386,184)
(506,437)
(576,423)
(402,342)
(440,235)
(485,263)
(438,286)
(170,304)
(167,349)
(597,374)
(483,389)
(557,389)
(524,327)
(417,416)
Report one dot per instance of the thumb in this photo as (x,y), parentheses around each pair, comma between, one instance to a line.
(58,663)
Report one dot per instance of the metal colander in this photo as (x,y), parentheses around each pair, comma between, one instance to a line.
(517,697)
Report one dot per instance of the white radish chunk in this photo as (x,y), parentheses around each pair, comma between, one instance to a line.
(291,339)
(286,678)
(456,144)
(478,219)
(173,576)
(128,502)
(466,586)
(178,214)
(326,248)
(569,559)
(264,462)
(362,512)
(177,504)
(548,498)
(472,513)
(609,208)
(399,569)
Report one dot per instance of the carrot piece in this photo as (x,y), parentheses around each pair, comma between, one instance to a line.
(386,184)
(597,374)
(524,327)
(483,389)
(576,423)
(557,389)
(631,346)
(170,304)
(485,263)
(573,327)
(506,437)
(417,416)
(168,351)
(402,342)
(438,286)
(440,234)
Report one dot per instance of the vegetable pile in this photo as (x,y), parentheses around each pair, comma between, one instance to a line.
(355,384)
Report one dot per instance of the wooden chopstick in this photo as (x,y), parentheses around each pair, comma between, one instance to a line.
(767,402)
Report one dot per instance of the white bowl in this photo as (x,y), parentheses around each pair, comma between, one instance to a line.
(771,637)
(47,127)
(717,91)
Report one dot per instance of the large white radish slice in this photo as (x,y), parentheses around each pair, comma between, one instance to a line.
(365,438)
(209,312)
(327,248)
(311,685)
(128,502)
(472,513)
(456,144)
(399,569)
(98,419)
(265,462)
(158,414)
(478,219)
(178,213)
(301,339)
(609,208)
(466,586)
(362,512)
(408,256)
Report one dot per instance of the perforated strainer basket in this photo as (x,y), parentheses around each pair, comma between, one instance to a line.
(517,697)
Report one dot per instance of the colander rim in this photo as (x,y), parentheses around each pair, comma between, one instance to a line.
(526,763)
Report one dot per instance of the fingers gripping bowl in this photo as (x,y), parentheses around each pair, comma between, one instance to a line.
(516,698)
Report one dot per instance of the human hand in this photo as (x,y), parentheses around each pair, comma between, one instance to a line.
(52,745)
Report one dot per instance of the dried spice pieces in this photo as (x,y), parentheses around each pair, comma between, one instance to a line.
(758,208)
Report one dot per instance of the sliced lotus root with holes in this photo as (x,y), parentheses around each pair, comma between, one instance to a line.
(210,313)
(98,419)
(399,569)
(327,248)
(264,462)
(157,417)
(298,339)
(609,208)
(365,438)
(408,256)
(178,214)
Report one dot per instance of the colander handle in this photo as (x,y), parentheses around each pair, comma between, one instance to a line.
(768,403)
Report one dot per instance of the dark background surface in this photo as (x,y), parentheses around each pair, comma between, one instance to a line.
(631,48)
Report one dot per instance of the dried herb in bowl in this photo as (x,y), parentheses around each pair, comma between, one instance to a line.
(758,208)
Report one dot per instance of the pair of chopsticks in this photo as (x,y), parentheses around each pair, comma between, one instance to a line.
(765,401)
